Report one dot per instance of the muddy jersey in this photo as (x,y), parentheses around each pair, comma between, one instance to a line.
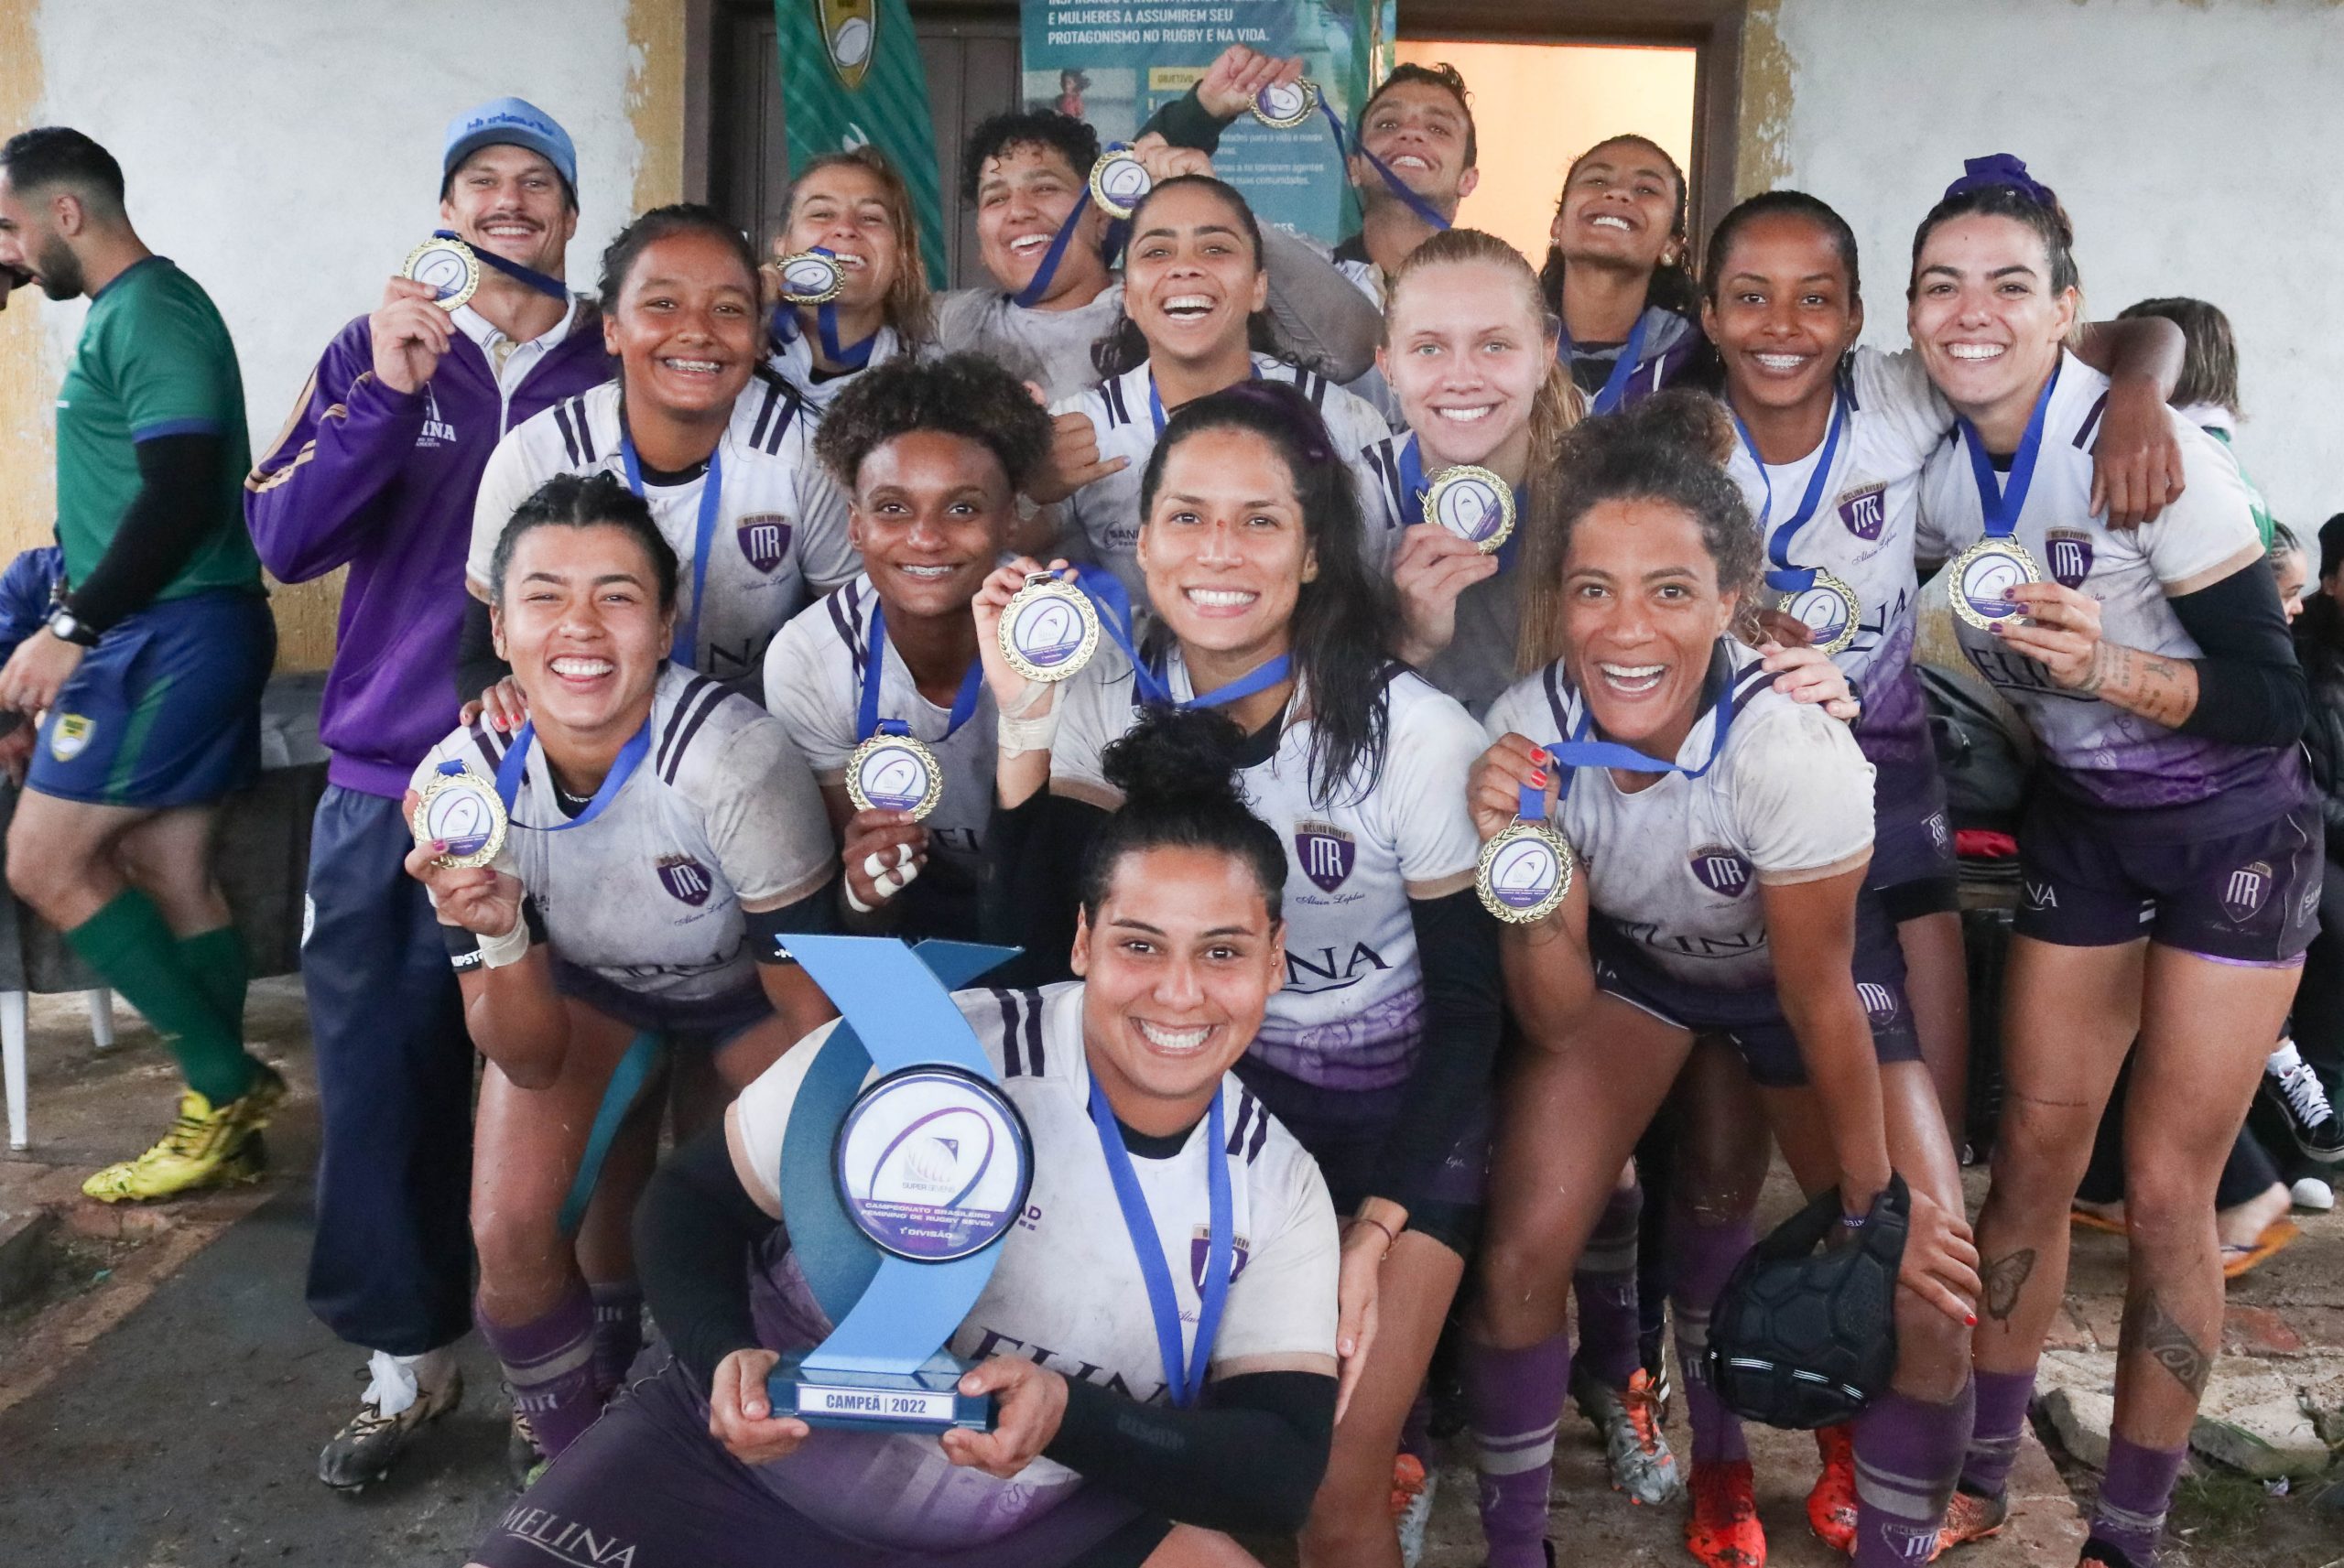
(815,675)
(1066,1291)
(780,533)
(793,362)
(1673,869)
(647,898)
(1123,411)
(2101,754)
(1352,1014)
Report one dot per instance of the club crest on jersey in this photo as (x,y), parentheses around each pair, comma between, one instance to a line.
(1880,1002)
(1200,1248)
(1720,870)
(685,878)
(1865,510)
(2071,556)
(1328,853)
(2247,890)
(765,539)
(71,735)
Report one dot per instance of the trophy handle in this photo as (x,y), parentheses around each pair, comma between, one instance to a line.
(907,1304)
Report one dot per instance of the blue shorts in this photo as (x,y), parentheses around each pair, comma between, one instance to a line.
(1913,867)
(166,710)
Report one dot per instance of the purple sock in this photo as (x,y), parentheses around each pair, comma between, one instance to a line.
(1514,1398)
(2134,1495)
(1700,1255)
(549,1365)
(618,1331)
(1605,1285)
(2002,1399)
(1908,1456)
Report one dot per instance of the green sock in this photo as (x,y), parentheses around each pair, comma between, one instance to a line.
(216,959)
(128,942)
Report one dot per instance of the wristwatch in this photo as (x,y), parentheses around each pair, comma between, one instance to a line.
(68,627)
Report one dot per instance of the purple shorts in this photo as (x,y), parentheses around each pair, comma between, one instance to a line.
(647,1486)
(1752,1020)
(1913,867)
(1345,1132)
(2244,897)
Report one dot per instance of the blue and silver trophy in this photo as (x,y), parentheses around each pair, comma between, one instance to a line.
(896,1189)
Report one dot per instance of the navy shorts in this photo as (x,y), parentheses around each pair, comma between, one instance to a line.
(1913,867)
(1345,1130)
(165,710)
(1752,1020)
(647,1486)
(2249,897)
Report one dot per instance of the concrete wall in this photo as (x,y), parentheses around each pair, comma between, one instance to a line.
(2193,141)
(286,153)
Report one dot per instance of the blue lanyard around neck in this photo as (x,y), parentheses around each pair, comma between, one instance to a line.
(1413,485)
(846,356)
(1105,591)
(2001,502)
(686,649)
(1580,751)
(1155,399)
(867,721)
(1345,146)
(1038,284)
(1184,1376)
(1624,369)
(1785,578)
(544,282)
(516,763)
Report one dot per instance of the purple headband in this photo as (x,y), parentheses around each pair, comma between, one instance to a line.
(2000,168)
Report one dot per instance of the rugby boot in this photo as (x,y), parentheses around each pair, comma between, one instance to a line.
(372,1441)
(1970,1517)
(1628,1421)
(1831,1501)
(523,1460)
(206,1147)
(1412,1489)
(1722,1531)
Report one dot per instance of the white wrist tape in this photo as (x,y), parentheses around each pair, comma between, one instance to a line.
(495,952)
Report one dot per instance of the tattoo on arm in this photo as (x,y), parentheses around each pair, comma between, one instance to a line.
(2004,1278)
(2151,685)
(2153,1331)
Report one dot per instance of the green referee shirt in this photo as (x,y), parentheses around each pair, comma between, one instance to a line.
(155,359)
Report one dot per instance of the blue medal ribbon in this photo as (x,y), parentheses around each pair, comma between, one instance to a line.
(711,501)
(846,356)
(867,721)
(1413,485)
(542,282)
(1118,230)
(1785,578)
(1580,751)
(1624,369)
(510,770)
(1105,591)
(1345,146)
(2001,503)
(1184,1376)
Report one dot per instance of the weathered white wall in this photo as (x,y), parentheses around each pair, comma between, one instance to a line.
(2195,143)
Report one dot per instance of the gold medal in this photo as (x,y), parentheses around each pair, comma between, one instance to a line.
(461,810)
(1286,104)
(1829,610)
(895,772)
(1118,181)
(1049,629)
(809,278)
(1983,576)
(1472,503)
(1524,872)
(448,266)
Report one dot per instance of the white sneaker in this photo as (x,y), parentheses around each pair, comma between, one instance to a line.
(2313,1193)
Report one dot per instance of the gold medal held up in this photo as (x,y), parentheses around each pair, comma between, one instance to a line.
(895,772)
(809,278)
(1118,181)
(1472,503)
(1829,610)
(1285,105)
(1049,629)
(1524,872)
(448,266)
(462,810)
(1982,577)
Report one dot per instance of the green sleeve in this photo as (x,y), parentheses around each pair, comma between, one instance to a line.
(173,369)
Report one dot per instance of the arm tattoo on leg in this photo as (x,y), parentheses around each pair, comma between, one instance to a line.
(2151,1330)
(2005,1277)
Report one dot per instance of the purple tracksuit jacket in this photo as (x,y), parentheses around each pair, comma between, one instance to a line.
(383,482)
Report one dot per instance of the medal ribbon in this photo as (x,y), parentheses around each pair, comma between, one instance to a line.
(515,764)
(1413,485)
(1346,147)
(1785,578)
(1579,751)
(543,283)
(784,329)
(711,501)
(1105,591)
(1155,399)
(867,721)
(1615,386)
(2001,502)
(1184,1376)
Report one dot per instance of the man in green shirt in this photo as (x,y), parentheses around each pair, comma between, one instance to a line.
(146,679)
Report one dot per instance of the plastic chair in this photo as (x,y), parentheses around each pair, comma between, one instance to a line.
(12,1050)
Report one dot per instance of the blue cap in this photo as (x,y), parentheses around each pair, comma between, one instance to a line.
(515,122)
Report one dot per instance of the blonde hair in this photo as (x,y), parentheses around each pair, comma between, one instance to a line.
(907,306)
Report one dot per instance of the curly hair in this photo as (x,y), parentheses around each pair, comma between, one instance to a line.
(1064,134)
(964,395)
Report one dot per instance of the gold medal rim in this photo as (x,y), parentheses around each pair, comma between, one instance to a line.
(1836,584)
(838,279)
(1961,600)
(445,784)
(1309,107)
(1490,546)
(1057,587)
(1108,204)
(1524,916)
(854,760)
(456,301)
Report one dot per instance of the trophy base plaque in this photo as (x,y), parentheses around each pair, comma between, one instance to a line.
(924,1400)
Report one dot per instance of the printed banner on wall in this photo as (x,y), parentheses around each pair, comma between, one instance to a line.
(1114,65)
(851,76)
